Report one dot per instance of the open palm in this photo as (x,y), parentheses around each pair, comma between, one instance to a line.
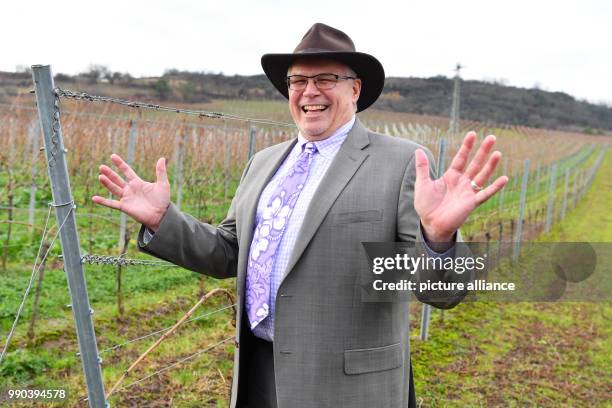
(444,204)
(145,202)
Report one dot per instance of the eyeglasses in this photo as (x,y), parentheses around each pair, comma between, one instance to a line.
(321,81)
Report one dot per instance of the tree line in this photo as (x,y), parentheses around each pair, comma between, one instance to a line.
(487,102)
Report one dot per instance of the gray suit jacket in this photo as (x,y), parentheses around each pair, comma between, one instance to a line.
(330,348)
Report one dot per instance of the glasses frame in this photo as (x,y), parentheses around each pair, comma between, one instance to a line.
(314,79)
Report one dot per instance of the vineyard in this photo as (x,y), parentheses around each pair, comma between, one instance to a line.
(136,299)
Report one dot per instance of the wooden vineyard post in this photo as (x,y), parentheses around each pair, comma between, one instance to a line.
(130,161)
(34,135)
(551,198)
(519,226)
(252,142)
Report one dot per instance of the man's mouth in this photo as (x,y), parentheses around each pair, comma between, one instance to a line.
(314,108)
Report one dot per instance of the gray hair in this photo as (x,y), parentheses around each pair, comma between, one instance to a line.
(350,72)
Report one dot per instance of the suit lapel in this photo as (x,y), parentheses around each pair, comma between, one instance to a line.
(348,159)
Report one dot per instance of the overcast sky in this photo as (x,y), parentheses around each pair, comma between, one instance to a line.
(556,45)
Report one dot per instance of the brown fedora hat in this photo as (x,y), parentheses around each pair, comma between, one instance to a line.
(323,41)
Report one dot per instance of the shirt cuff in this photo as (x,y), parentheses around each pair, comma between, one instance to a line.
(147,235)
(434,254)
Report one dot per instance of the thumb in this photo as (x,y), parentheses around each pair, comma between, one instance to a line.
(421,163)
(160,170)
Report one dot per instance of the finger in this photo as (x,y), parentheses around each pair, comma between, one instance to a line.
(110,186)
(485,194)
(160,171)
(421,163)
(481,156)
(461,158)
(112,176)
(123,166)
(107,202)
(489,168)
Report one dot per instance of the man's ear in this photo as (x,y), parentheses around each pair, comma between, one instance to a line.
(356,89)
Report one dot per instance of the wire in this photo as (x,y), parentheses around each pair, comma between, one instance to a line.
(165,329)
(191,357)
(117,260)
(176,363)
(125,118)
(35,270)
(135,104)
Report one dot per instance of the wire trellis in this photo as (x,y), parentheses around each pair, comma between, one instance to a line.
(36,268)
(146,105)
(165,329)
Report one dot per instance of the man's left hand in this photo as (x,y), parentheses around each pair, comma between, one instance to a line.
(444,204)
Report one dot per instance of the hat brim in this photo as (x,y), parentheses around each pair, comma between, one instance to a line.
(367,68)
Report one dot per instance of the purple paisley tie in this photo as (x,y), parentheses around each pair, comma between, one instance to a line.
(269,234)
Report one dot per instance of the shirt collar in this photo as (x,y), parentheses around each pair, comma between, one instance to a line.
(328,146)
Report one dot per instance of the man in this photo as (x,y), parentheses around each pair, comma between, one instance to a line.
(293,235)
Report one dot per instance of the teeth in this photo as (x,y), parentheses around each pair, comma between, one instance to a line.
(313,107)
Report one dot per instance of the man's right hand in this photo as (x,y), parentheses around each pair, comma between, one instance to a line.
(143,201)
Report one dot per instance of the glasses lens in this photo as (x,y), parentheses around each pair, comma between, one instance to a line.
(321,81)
(325,81)
(297,82)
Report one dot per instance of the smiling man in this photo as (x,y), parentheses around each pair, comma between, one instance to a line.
(293,234)
(316,107)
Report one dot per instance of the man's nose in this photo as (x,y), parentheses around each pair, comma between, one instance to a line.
(311,88)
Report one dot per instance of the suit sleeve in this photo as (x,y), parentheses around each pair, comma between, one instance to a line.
(409,230)
(185,241)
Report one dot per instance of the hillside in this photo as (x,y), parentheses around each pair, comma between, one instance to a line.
(480,101)
(489,102)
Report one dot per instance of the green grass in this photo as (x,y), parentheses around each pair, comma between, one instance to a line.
(525,353)
(590,221)
(52,358)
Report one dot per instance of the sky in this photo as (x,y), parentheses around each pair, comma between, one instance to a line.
(554,45)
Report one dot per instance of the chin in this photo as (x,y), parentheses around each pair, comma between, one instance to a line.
(312,132)
(314,127)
